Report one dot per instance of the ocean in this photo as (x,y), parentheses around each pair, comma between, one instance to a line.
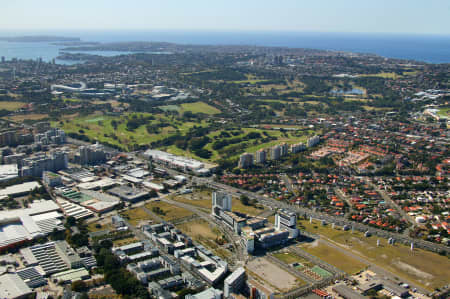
(426,48)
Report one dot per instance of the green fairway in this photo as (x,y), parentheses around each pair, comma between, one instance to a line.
(199,107)
(444,112)
(170,108)
(383,75)
(100,128)
(115,130)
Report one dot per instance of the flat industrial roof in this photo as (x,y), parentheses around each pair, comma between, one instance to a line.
(12,286)
(19,188)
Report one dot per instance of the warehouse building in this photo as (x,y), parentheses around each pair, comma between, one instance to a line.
(53,257)
(346,292)
(13,287)
(8,172)
(129,194)
(18,226)
(177,162)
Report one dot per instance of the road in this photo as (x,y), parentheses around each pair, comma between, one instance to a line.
(392,203)
(343,197)
(341,221)
(288,183)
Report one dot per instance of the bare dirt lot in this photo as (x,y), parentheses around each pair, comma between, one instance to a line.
(273,275)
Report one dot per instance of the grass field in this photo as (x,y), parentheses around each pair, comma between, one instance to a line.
(171,212)
(126,241)
(444,112)
(334,257)
(200,199)
(99,127)
(198,107)
(289,258)
(425,268)
(135,216)
(201,232)
(11,106)
(170,108)
(237,206)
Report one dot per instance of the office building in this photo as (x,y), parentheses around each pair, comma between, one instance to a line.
(52,136)
(8,138)
(275,152)
(260,156)
(92,154)
(287,220)
(313,141)
(51,179)
(296,148)
(284,149)
(37,164)
(234,283)
(221,201)
(245,160)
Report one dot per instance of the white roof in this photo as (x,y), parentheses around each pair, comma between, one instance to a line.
(105,182)
(24,224)
(154,186)
(178,161)
(235,275)
(12,286)
(19,188)
(131,179)
(8,171)
(99,205)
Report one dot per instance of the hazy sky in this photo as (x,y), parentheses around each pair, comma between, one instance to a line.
(393,16)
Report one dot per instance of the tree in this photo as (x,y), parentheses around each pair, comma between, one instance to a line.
(244,200)
(79,286)
(71,221)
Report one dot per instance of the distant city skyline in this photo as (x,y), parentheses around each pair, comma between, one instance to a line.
(383,16)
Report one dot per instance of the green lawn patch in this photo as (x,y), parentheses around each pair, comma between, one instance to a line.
(199,107)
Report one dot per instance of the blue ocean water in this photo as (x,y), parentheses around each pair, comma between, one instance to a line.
(427,48)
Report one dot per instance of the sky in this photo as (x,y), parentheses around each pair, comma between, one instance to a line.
(368,16)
